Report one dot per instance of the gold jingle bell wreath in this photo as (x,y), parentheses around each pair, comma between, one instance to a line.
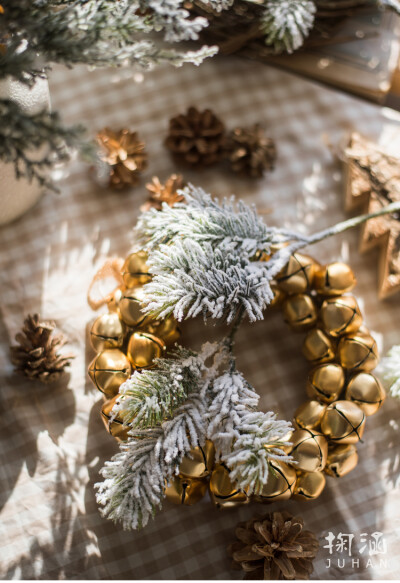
(341,389)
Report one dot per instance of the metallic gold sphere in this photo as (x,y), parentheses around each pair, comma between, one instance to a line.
(199,462)
(298,274)
(366,391)
(317,347)
(186,491)
(135,271)
(278,298)
(131,307)
(334,279)
(325,382)
(223,493)
(309,450)
(113,302)
(343,422)
(340,316)
(299,312)
(108,370)
(280,484)
(144,348)
(107,332)
(342,459)
(116,428)
(309,485)
(166,329)
(358,352)
(309,415)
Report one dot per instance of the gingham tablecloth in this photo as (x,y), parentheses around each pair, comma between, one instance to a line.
(53,442)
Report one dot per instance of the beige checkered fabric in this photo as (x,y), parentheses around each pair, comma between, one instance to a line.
(53,442)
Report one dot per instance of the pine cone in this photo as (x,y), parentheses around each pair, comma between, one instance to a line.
(196,138)
(274,546)
(166,192)
(250,152)
(125,153)
(37,355)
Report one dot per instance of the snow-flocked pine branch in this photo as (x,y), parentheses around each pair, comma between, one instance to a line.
(389,369)
(245,439)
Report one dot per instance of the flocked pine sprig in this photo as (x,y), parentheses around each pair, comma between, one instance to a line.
(150,396)
(245,439)
(202,256)
(389,369)
(287,23)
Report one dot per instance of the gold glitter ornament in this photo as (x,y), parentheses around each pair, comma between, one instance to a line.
(343,422)
(135,271)
(366,391)
(309,450)
(318,347)
(358,352)
(340,316)
(309,415)
(186,491)
(107,332)
(116,428)
(199,462)
(280,484)
(299,312)
(342,459)
(131,307)
(334,279)
(143,349)
(298,274)
(108,370)
(223,493)
(326,382)
(309,485)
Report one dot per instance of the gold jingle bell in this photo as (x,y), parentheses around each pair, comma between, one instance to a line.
(223,493)
(298,274)
(342,459)
(299,312)
(309,485)
(166,329)
(334,279)
(107,332)
(340,316)
(116,428)
(326,382)
(113,302)
(135,271)
(108,370)
(358,352)
(343,422)
(130,307)
(278,298)
(199,462)
(366,391)
(309,415)
(187,491)
(309,450)
(280,484)
(143,349)
(317,347)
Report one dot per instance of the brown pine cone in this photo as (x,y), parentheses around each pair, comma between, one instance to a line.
(250,152)
(196,138)
(167,192)
(125,153)
(274,546)
(37,355)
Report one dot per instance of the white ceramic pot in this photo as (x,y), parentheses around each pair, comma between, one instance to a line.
(17,196)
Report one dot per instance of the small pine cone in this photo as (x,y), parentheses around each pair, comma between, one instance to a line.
(250,152)
(125,154)
(274,546)
(167,192)
(37,355)
(196,138)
